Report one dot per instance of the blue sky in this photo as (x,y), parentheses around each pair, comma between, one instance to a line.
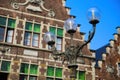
(110,19)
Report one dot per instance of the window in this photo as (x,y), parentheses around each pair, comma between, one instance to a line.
(53,30)
(9,36)
(33,69)
(119,69)
(59,33)
(35,40)
(11,23)
(8,30)
(27,38)
(23,77)
(80,75)
(24,68)
(28,71)
(2,21)
(2,32)
(32,34)
(33,78)
(5,66)
(54,73)
(59,43)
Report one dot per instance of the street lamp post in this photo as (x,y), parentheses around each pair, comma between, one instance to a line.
(73,52)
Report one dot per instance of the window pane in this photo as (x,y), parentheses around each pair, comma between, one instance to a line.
(5,66)
(36,27)
(58,72)
(28,26)
(33,69)
(53,30)
(50,71)
(11,23)
(119,65)
(27,38)
(2,31)
(59,40)
(49,79)
(35,40)
(32,78)
(58,47)
(58,79)
(2,21)
(81,75)
(23,77)
(9,36)
(60,32)
(59,44)
(24,68)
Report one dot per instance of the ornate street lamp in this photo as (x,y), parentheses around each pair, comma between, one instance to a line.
(72,53)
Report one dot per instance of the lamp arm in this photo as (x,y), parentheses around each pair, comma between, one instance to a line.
(55,53)
(90,37)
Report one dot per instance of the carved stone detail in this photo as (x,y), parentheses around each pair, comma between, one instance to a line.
(16,5)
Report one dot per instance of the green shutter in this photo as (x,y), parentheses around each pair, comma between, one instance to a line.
(2,21)
(24,68)
(5,66)
(81,75)
(33,69)
(11,23)
(36,27)
(53,30)
(60,32)
(50,71)
(58,72)
(28,26)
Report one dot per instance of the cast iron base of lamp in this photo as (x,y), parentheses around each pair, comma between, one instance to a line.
(71,31)
(51,43)
(73,70)
(94,21)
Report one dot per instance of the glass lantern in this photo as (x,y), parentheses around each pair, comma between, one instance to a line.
(93,15)
(49,38)
(70,25)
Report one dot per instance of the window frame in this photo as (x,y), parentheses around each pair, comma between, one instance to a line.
(32,31)
(6,25)
(54,73)
(5,64)
(55,32)
(28,74)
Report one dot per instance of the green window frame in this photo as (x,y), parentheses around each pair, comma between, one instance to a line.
(3,21)
(28,26)
(59,32)
(80,75)
(33,69)
(53,30)
(5,66)
(11,23)
(24,68)
(37,28)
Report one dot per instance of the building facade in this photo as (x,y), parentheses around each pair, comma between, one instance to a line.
(109,65)
(23,52)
